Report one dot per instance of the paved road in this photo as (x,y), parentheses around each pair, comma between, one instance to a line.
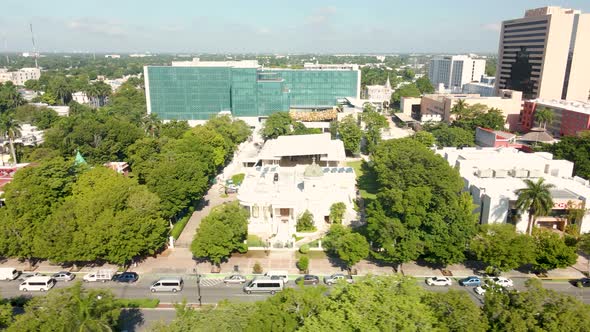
(212,291)
(139,320)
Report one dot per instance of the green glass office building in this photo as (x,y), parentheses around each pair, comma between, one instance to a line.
(197,92)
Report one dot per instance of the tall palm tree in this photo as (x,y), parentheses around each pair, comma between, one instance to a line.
(10,129)
(61,89)
(92,94)
(92,315)
(544,116)
(103,90)
(11,96)
(536,199)
(460,109)
(151,124)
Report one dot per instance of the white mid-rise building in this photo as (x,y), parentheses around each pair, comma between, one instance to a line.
(455,71)
(296,174)
(492,176)
(379,93)
(482,89)
(20,76)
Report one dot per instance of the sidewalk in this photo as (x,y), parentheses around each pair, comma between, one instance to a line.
(211,199)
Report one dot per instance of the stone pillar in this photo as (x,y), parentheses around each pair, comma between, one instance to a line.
(171,242)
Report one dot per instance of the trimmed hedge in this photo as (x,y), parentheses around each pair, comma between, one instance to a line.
(138,303)
(178,227)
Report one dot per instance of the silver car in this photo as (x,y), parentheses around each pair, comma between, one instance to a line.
(234,279)
(330,280)
(63,276)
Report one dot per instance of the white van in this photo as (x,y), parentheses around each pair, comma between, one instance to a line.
(264,285)
(167,285)
(38,283)
(8,273)
(282,275)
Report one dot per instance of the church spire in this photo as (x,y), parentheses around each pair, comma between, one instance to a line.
(388,84)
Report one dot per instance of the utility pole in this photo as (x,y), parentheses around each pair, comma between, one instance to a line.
(34,47)
(198,286)
(6,49)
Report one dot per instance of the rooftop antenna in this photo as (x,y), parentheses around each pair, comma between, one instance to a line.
(6,49)
(34,47)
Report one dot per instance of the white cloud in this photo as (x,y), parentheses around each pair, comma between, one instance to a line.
(321,15)
(495,27)
(97,26)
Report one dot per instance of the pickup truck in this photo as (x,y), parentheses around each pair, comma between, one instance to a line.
(329,280)
(100,275)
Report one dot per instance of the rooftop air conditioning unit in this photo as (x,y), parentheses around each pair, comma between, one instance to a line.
(520,173)
(535,173)
(485,173)
(500,173)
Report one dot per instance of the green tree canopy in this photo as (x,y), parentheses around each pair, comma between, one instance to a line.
(575,149)
(427,139)
(70,309)
(500,246)
(277,124)
(552,252)
(108,217)
(348,246)
(408,90)
(222,232)
(350,134)
(420,209)
(374,122)
(337,211)
(453,136)
(455,311)
(33,195)
(423,84)
(537,309)
(174,129)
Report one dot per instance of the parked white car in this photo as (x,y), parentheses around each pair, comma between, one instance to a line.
(504,282)
(480,290)
(439,281)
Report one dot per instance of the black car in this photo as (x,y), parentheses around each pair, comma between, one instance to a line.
(126,277)
(584,282)
(308,279)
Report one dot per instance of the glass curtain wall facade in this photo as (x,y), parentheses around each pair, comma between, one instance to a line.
(197,93)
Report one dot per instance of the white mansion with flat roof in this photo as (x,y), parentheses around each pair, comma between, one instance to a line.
(294,174)
(492,175)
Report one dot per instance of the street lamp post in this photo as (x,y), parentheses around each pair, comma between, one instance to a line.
(198,286)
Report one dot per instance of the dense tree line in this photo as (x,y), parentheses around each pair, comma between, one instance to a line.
(281,124)
(420,211)
(69,309)
(220,233)
(575,149)
(66,212)
(465,119)
(390,304)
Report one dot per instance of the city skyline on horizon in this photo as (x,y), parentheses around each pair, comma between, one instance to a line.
(344,27)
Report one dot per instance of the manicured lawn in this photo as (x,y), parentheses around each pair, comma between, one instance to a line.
(315,254)
(365,178)
(255,241)
(238,178)
(138,303)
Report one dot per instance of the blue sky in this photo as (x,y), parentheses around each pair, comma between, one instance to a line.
(261,26)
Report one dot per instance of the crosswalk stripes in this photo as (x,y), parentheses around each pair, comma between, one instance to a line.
(211,282)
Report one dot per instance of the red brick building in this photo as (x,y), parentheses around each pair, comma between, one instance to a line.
(569,117)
